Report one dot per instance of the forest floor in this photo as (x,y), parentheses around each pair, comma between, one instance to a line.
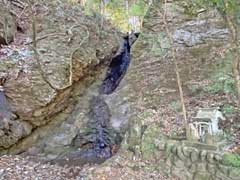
(124,165)
(19,168)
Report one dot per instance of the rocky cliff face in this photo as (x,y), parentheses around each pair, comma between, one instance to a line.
(48,85)
(201,41)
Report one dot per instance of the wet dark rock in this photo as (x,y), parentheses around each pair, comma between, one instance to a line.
(117,69)
(99,142)
(118,65)
(2,41)
(99,128)
(133,37)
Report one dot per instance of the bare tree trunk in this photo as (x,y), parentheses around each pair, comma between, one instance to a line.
(82,2)
(140,23)
(102,8)
(102,11)
(135,20)
(235,53)
(34,32)
(150,2)
(127,16)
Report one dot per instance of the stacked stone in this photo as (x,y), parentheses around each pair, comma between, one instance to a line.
(188,163)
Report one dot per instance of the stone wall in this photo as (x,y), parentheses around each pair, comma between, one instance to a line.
(195,163)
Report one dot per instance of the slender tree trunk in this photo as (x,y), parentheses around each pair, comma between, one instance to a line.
(149,2)
(235,51)
(140,23)
(127,13)
(135,20)
(82,2)
(173,53)
(102,7)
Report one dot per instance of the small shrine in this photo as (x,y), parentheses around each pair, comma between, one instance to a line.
(205,123)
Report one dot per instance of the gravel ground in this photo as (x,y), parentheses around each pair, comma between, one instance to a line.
(18,168)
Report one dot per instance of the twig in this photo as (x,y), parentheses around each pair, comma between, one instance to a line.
(19,16)
(71,57)
(69,31)
(46,36)
(34,40)
(85,38)
(17,3)
(34,32)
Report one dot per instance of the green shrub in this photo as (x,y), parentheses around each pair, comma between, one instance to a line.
(231,159)
(221,83)
(175,106)
(228,109)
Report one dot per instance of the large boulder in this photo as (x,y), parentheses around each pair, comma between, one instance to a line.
(44,83)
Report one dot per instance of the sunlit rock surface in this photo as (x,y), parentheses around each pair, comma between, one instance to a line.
(43,88)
